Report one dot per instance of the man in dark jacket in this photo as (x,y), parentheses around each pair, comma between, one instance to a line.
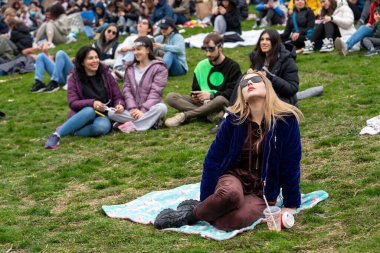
(226,17)
(214,80)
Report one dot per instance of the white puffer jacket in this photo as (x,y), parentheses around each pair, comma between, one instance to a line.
(343,17)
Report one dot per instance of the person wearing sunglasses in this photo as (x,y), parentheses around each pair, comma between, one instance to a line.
(255,155)
(107,44)
(170,45)
(91,90)
(214,80)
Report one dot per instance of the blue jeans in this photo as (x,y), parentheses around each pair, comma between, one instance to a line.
(89,31)
(362,32)
(58,70)
(174,66)
(85,123)
(101,28)
(180,19)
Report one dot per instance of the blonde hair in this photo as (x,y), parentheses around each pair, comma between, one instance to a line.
(9,11)
(274,108)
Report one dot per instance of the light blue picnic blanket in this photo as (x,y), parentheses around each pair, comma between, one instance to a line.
(145,209)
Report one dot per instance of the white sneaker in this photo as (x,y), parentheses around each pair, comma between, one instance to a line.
(51,45)
(71,40)
(64,87)
(341,46)
(328,45)
(309,47)
(177,120)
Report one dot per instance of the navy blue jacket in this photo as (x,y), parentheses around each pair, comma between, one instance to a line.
(281,161)
(162,9)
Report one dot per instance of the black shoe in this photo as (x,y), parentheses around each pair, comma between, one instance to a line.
(115,126)
(51,87)
(38,87)
(169,218)
(188,204)
(159,123)
(2,115)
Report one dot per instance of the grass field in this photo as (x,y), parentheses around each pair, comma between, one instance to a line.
(50,200)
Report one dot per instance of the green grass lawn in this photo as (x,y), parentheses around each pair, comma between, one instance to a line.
(50,200)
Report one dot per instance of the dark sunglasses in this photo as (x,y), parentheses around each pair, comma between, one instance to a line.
(210,49)
(254,79)
(110,31)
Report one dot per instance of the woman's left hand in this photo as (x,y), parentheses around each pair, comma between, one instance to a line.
(119,109)
(136,113)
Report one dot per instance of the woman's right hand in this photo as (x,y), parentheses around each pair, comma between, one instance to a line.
(124,49)
(98,106)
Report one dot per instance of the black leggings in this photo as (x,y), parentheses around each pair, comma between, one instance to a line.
(329,30)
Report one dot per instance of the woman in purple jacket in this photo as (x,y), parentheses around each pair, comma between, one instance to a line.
(91,92)
(256,153)
(144,81)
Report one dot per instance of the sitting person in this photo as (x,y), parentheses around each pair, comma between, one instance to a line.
(161,10)
(170,45)
(344,46)
(128,15)
(337,21)
(102,17)
(213,82)
(20,35)
(371,43)
(90,89)
(357,7)
(56,28)
(124,51)
(57,67)
(107,44)
(181,10)
(226,17)
(270,13)
(299,25)
(314,5)
(256,153)
(279,63)
(144,82)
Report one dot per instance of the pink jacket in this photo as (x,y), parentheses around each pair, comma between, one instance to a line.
(151,87)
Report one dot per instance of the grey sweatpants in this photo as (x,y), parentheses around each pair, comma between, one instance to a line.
(370,42)
(49,30)
(193,110)
(146,121)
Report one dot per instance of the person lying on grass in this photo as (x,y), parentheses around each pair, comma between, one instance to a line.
(256,153)
(91,92)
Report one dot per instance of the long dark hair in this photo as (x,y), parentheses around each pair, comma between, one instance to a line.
(148,43)
(259,58)
(79,59)
(104,45)
(330,10)
(56,10)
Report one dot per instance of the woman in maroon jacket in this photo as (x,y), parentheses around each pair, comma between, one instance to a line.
(144,81)
(91,92)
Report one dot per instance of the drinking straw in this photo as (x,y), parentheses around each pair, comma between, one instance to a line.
(271,215)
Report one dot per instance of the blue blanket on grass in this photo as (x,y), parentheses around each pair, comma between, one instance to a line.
(145,209)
